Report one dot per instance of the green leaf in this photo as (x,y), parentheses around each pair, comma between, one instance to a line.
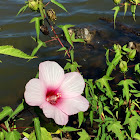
(22,9)
(44,135)
(62,49)
(113,64)
(128,113)
(1,136)
(40,44)
(37,25)
(133,125)
(99,132)
(59,4)
(18,110)
(91,117)
(137,136)
(41,8)
(126,4)
(126,83)
(126,49)
(107,57)
(13,135)
(137,68)
(137,95)
(37,128)
(80,118)
(133,9)
(69,129)
(72,55)
(104,83)
(9,50)
(76,40)
(6,111)
(106,108)
(83,135)
(67,35)
(26,135)
(116,127)
(117,9)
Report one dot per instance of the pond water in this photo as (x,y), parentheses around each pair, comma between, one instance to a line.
(17,31)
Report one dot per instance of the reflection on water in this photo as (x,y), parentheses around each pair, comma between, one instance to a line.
(17,31)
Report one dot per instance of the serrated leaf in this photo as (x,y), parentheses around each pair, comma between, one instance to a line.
(104,83)
(10,50)
(117,8)
(133,125)
(116,127)
(5,112)
(59,4)
(126,83)
(13,135)
(80,118)
(83,135)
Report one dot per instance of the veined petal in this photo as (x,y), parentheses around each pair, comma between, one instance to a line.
(51,111)
(73,85)
(34,92)
(73,105)
(51,73)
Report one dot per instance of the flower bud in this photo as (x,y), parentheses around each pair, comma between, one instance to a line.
(33,5)
(123,66)
(117,1)
(132,54)
(117,47)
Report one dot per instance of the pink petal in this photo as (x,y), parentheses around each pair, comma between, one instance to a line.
(73,85)
(34,92)
(51,111)
(73,105)
(51,73)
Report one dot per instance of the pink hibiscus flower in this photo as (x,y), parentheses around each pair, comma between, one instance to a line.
(56,93)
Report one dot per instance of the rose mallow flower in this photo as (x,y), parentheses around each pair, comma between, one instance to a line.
(56,93)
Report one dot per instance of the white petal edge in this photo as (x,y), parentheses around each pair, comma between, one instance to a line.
(34,92)
(73,85)
(51,111)
(74,105)
(51,73)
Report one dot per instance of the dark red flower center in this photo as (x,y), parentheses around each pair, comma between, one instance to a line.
(52,96)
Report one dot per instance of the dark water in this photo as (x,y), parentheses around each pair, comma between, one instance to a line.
(17,31)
